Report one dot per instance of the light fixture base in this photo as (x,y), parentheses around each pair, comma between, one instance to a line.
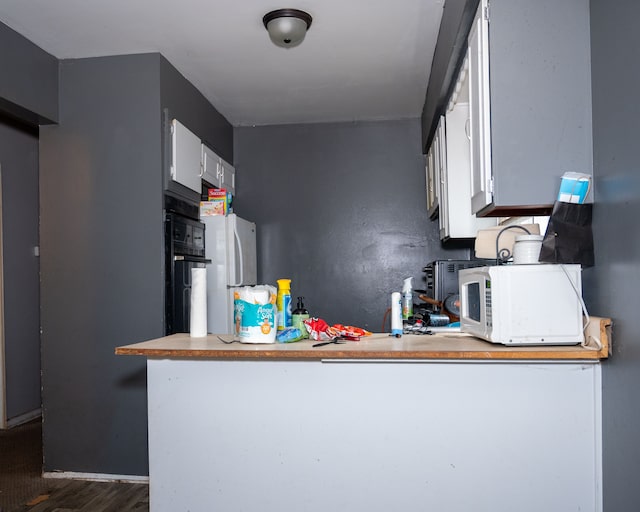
(287,27)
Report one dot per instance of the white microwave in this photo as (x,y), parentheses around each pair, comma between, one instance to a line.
(536,304)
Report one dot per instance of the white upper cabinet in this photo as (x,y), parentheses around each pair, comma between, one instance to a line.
(217,171)
(433,167)
(192,162)
(210,166)
(530,102)
(479,112)
(431,183)
(456,218)
(228,176)
(185,157)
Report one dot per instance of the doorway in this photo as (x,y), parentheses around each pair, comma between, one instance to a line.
(3,408)
(20,383)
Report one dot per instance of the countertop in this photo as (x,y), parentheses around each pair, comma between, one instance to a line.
(377,346)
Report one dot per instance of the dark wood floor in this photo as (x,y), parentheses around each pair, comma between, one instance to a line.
(22,489)
(81,496)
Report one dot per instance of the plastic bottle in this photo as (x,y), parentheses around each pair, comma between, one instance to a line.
(283,303)
(300,314)
(407,299)
(396,315)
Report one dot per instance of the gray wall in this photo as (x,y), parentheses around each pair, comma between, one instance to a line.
(611,286)
(101,262)
(29,79)
(28,96)
(101,172)
(19,161)
(340,209)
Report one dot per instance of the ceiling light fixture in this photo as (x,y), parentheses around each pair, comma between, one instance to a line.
(287,27)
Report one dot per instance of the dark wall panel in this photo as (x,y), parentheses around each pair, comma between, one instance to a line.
(101,262)
(451,44)
(611,286)
(19,176)
(340,209)
(29,79)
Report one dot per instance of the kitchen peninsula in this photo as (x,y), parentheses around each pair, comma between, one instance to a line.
(443,422)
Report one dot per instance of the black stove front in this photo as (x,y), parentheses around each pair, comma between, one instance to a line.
(184,250)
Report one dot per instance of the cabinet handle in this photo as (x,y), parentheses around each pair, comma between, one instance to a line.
(467,128)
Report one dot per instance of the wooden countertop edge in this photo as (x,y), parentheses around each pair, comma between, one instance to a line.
(597,335)
(486,355)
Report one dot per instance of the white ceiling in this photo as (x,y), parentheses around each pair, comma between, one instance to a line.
(361,59)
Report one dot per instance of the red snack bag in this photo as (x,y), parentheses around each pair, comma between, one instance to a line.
(319,330)
(350,331)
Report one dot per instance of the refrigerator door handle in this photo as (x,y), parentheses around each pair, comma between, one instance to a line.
(241,259)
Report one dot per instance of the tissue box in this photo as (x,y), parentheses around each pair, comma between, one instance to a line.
(574,187)
(218,203)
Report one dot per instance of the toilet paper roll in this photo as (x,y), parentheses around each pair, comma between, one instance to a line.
(198,317)
(259,294)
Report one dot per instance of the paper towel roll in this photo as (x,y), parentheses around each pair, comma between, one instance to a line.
(198,318)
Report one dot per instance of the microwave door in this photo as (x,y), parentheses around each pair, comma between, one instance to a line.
(473,306)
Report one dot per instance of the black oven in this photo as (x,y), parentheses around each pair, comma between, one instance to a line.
(442,277)
(184,250)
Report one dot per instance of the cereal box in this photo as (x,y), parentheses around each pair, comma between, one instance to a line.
(217,204)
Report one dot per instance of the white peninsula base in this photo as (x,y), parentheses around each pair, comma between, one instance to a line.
(349,435)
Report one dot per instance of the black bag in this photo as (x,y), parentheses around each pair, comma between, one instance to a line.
(569,238)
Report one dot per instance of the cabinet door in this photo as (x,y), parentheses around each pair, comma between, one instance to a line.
(227,177)
(433,174)
(210,166)
(185,157)
(443,198)
(480,125)
(457,220)
(431,184)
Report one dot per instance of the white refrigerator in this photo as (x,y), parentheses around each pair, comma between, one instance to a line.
(230,244)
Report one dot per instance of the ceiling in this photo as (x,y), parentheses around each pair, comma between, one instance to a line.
(361,59)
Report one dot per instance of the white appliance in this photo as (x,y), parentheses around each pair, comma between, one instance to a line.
(230,244)
(537,304)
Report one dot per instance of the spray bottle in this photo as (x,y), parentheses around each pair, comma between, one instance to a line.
(407,299)
(283,304)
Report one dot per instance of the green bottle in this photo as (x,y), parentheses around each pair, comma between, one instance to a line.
(300,314)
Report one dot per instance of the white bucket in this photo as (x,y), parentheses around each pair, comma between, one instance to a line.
(526,250)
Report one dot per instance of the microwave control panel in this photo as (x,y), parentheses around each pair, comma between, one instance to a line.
(489,309)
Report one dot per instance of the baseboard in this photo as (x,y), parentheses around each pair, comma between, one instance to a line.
(24,418)
(97,477)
